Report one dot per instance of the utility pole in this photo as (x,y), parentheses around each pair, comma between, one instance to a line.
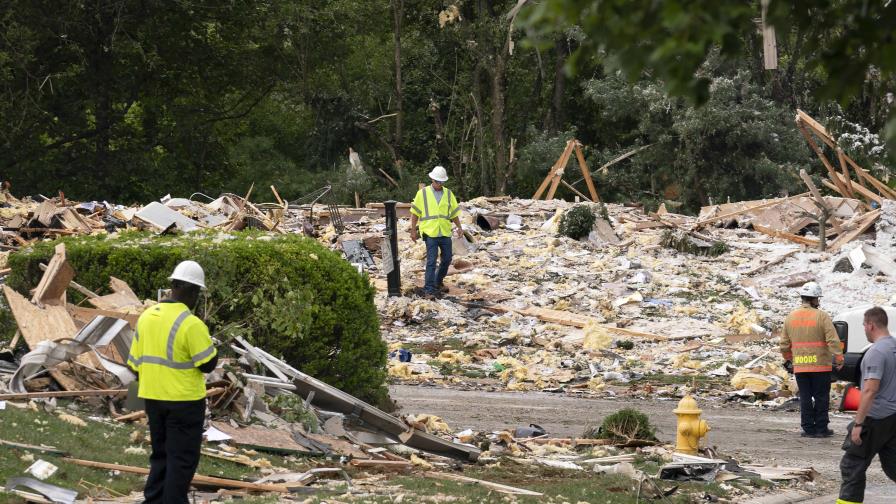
(390,250)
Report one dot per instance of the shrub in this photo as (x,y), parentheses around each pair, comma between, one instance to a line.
(287,294)
(625,425)
(577,222)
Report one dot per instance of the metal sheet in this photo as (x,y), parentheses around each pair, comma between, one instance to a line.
(52,492)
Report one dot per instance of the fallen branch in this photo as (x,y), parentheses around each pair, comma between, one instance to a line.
(197,479)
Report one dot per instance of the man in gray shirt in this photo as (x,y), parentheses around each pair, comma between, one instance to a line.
(874,430)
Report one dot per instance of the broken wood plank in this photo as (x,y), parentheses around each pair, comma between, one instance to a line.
(559,165)
(816,127)
(136,415)
(84,315)
(745,210)
(62,393)
(75,285)
(260,438)
(197,479)
(865,193)
(771,263)
(884,189)
(55,280)
(802,240)
(389,465)
(867,221)
(505,489)
(45,324)
(578,193)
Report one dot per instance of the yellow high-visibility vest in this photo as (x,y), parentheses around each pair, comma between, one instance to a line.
(435,216)
(169,345)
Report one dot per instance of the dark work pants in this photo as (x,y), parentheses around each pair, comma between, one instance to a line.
(434,277)
(176,431)
(815,400)
(878,438)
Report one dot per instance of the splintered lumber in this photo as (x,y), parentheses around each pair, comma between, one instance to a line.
(771,263)
(573,189)
(260,438)
(62,393)
(42,324)
(863,174)
(85,315)
(866,193)
(561,167)
(568,319)
(802,240)
(75,285)
(506,489)
(197,479)
(122,297)
(746,210)
(820,130)
(54,282)
(862,225)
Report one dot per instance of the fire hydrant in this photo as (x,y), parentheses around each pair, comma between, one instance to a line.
(690,427)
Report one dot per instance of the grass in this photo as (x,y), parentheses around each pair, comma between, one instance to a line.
(106,442)
(98,441)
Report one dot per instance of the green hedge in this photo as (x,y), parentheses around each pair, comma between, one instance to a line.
(287,294)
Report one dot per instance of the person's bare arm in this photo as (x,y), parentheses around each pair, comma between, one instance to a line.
(869,391)
(460,229)
(414,234)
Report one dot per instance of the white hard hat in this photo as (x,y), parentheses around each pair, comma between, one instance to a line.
(810,289)
(439,174)
(190,272)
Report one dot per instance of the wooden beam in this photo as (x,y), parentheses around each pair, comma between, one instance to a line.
(505,489)
(845,169)
(550,177)
(62,393)
(197,479)
(824,160)
(55,280)
(816,127)
(866,193)
(561,167)
(884,189)
(802,240)
(586,174)
(573,189)
(746,210)
(862,226)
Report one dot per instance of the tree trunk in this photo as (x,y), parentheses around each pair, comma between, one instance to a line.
(397,14)
(555,119)
(499,83)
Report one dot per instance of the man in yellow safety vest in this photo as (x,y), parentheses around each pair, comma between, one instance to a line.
(433,210)
(809,341)
(170,352)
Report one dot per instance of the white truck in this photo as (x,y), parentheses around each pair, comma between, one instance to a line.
(851,331)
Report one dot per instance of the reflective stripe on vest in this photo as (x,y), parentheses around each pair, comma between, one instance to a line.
(169,362)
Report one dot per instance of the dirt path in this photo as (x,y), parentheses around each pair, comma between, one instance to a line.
(748,435)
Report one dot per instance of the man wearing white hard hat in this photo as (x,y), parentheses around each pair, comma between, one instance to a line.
(170,352)
(433,210)
(809,341)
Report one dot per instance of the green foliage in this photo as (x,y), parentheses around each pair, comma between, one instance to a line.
(291,408)
(739,145)
(625,344)
(287,294)
(625,425)
(849,42)
(688,244)
(577,222)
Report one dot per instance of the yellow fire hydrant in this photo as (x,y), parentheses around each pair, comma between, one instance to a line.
(690,427)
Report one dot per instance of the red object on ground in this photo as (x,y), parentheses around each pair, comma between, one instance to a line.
(851,398)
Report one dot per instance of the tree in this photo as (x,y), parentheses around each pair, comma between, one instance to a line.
(850,42)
